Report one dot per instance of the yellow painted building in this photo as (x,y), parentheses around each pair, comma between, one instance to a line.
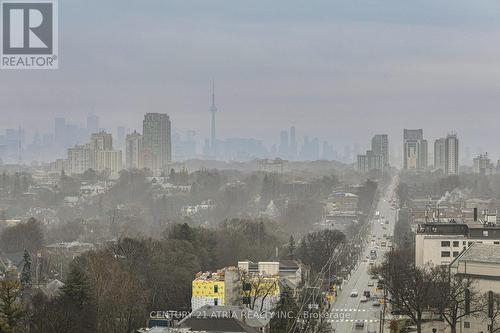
(220,288)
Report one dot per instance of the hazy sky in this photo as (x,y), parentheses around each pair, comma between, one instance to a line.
(341,70)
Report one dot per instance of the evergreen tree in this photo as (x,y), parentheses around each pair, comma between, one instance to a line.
(287,311)
(11,311)
(77,287)
(26,272)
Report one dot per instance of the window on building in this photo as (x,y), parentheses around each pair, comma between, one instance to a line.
(445,254)
(466,324)
(445,243)
(456,244)
(455,253)
(485,233)
(216,289)
(496,243)
(216,301)
(463,243)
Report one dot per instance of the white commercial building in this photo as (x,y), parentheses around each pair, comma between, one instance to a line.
(480,262)
(441,243)
(78,159)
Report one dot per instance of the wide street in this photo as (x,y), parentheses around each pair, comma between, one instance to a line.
(347,310)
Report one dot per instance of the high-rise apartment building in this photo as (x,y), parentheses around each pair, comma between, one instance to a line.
(78,159)
(133,147)
(482,165)
(414,150)
(98,155)
(451,154)
(110,160)
(439,154)
(380,146)
(156,142)
(101,141)
(370,161)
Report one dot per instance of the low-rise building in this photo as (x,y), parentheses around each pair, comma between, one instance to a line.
(344,201)
(218,288)
(480,262)
(440,243)
(285,269)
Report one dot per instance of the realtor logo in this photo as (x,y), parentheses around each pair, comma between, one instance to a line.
(29,35)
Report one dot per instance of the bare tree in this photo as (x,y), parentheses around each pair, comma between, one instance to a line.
(456,297)
(408,289)
(257,288)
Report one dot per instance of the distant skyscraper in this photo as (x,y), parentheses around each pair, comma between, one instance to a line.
(451,157)
(415,150)
(213,135)
(293,144)
(328,152)
(157,142)
(92,124)
(60,130)
(380,146)
(133,147)
(439,154)
(283,147)
(120,136)
(347,155)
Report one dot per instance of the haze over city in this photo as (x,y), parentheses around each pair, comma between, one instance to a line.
(336,70)
(222,166)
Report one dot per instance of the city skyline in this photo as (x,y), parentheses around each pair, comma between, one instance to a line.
(185,146)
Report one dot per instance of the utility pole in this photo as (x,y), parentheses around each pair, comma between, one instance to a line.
(381,325)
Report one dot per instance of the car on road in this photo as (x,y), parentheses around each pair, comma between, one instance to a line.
(376,302)
(359,323)
(371,330)
(371,283)
(354,293)
(363,299)
(396,312)
(366,293)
